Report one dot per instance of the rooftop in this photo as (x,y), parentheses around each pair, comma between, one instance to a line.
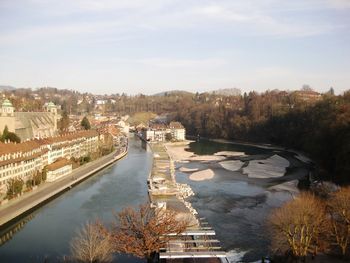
(6,103)
(61,162)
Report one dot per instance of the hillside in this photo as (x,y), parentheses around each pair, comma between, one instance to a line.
(6,87)
(173,92)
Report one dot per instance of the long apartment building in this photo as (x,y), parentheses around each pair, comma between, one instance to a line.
(23,160)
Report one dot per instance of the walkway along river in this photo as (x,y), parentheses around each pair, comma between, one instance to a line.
(46,233)
(29,201)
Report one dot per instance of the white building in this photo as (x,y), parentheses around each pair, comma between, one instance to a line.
(58,169)
(178,131)
(159,132)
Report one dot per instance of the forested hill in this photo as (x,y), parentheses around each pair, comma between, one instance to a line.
(304,120)
(320,128)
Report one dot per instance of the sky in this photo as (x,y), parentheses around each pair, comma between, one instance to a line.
(149,46)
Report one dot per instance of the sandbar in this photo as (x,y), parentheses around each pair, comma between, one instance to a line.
(232,165)
(202,175)
(275,166)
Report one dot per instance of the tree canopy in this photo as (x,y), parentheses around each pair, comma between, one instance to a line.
(7,135)
(85,123)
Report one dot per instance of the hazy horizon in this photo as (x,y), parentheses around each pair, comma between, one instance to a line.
(153,46)
(164,91)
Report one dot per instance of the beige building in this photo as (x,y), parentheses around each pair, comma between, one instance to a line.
(23,160)
(58,169)
(29,125)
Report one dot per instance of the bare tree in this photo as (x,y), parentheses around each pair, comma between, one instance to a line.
(297,225)
(338,207)
(92,244)
(144,231)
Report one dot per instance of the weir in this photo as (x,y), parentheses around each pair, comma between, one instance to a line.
(198,241)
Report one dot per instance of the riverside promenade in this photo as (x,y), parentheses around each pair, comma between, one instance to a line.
(48,190)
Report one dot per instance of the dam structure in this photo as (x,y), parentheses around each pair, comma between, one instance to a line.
(198,240)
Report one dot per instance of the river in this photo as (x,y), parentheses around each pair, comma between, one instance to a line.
(234,207)
(49,230)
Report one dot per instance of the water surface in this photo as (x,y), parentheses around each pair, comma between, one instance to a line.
(236,206)
(48,233)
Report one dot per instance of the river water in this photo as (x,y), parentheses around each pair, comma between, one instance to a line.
(235,208)
(48,233)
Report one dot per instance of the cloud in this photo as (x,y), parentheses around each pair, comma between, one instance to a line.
(340,4)
(258,20)
(240,18)
(183,63)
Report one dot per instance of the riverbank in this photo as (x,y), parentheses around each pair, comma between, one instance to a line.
(29,201)
(163,189)
(302,156)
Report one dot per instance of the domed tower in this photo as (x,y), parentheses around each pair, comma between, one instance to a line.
(51,107)
(7,116)
(7,110)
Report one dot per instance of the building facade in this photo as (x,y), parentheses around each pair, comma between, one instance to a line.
(23,160)
(178,131)
(58,169)
(29,125)
(160,132)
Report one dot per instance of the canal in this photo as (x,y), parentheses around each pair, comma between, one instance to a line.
(46,233)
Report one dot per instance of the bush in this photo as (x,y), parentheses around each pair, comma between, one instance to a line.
(37,178)
(297,226)
(14,187)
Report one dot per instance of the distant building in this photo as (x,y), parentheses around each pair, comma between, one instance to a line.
(101,102)
(308,95)
(159,132)
(29,125)
(125,127)
(178,131)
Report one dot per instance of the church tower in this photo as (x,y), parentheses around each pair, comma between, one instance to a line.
(7,116)
(51,107)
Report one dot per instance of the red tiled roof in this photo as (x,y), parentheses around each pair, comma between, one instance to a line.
(27,146)
(59,163)
(176,125)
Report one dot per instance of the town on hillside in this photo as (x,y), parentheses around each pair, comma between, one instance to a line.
(44,146)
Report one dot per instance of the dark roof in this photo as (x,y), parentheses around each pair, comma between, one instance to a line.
(176,125)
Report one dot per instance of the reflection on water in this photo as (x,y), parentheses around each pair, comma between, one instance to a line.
(7,233)
(48,233)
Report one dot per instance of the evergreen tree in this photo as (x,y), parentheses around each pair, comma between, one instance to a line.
(85,123)
(7,135)
(64,124)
